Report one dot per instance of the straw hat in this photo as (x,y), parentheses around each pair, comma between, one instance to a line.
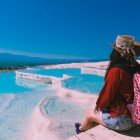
(128,41)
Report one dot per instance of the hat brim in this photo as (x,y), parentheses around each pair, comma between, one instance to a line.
(136,48)
(136,44)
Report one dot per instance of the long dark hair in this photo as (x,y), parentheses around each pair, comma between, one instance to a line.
(128,62)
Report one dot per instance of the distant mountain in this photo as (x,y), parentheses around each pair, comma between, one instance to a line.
(7,59)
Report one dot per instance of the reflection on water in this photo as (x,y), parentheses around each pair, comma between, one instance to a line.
(30,84)
(85,83)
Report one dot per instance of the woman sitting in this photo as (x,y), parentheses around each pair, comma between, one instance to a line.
(111,107)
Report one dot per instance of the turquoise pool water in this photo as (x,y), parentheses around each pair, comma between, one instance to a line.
(9,84)
(55,72)
(85,83)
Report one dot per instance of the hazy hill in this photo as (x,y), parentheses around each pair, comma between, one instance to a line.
(7,59)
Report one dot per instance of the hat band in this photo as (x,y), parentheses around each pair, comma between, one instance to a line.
(124,47)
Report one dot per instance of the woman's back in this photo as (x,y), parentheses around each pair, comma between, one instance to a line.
(117,92)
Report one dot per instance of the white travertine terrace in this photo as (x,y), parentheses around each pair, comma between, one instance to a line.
(79,65)
(100,65)
(35,77)
(95,71)
(39,125)
(97,68)
(38,128)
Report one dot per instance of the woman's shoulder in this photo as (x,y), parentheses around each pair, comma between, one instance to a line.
(117,70)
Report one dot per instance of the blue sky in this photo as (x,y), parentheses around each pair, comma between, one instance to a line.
(73,29)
